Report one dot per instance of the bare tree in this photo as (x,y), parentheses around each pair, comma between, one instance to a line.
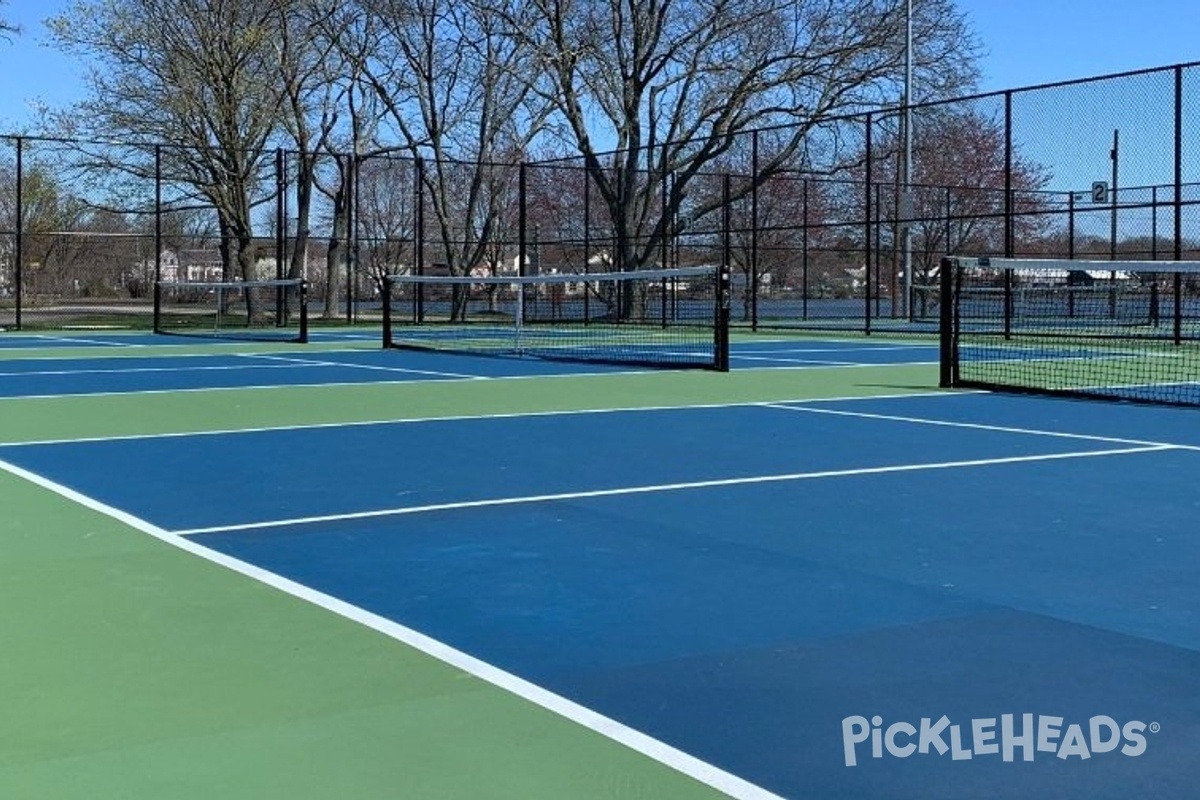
(48,210)
(384,195)
(959,184)
(200,74)
(776,233)
(8,29)
(321,57)
(453,79)
(652,88)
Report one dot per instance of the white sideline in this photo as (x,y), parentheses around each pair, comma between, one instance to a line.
(666,487)
(653,748)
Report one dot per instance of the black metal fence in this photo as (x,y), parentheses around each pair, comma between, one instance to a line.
(833,235)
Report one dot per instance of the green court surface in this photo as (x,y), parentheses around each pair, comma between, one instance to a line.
(134,669)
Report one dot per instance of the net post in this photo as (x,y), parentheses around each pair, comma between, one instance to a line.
(303,339)
(387,311)
(519,319)
(1177,327)
(662,311)
(1008,303)
(157,306)
(946,377)
(721,328)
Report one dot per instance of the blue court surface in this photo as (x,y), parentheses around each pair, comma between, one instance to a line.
(15,340)
(166,373)
(157,370)
(950,596)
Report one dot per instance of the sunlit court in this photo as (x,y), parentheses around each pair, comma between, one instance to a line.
(599,400)
(812,576)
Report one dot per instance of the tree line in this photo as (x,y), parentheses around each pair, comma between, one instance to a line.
(378,102)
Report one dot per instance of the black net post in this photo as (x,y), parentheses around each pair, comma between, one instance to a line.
(721,329)
(1177,329)
(303,337)
(157,323)
(668,287)
(946,323)
(387,311)
(1008,303)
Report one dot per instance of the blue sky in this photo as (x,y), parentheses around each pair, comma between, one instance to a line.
(1030,42)
(1027,41)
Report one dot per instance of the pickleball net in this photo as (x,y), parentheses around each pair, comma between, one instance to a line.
(1122,330)
(274,310)
(670,318)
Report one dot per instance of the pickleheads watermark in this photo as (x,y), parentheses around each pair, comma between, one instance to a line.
(1011,736)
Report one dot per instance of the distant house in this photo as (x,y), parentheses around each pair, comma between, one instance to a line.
(200,265)
(193,266)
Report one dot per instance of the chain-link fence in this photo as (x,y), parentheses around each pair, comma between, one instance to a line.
(840,224)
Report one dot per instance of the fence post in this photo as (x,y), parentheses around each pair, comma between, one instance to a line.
(280,233)
(156,289)
(668,227)
(724,287)
(351,231)
(753,288)
(1177,332)
(522,223)
(868,228)
(587,242)
(804,253)
(1009,232)
(19,243)
(1178,164)
(418,241)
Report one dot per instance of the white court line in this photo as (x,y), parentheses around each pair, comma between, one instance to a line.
(799,404)
(80,340)
(979,426)
(847,365)
(334,336)
(455,418)
(321,385)
(167,353)
(138,370)
(814,362)
(325,363)
(665,487)
(495,378)
(735,351)
(451,378)
(285,386)
(637,741)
